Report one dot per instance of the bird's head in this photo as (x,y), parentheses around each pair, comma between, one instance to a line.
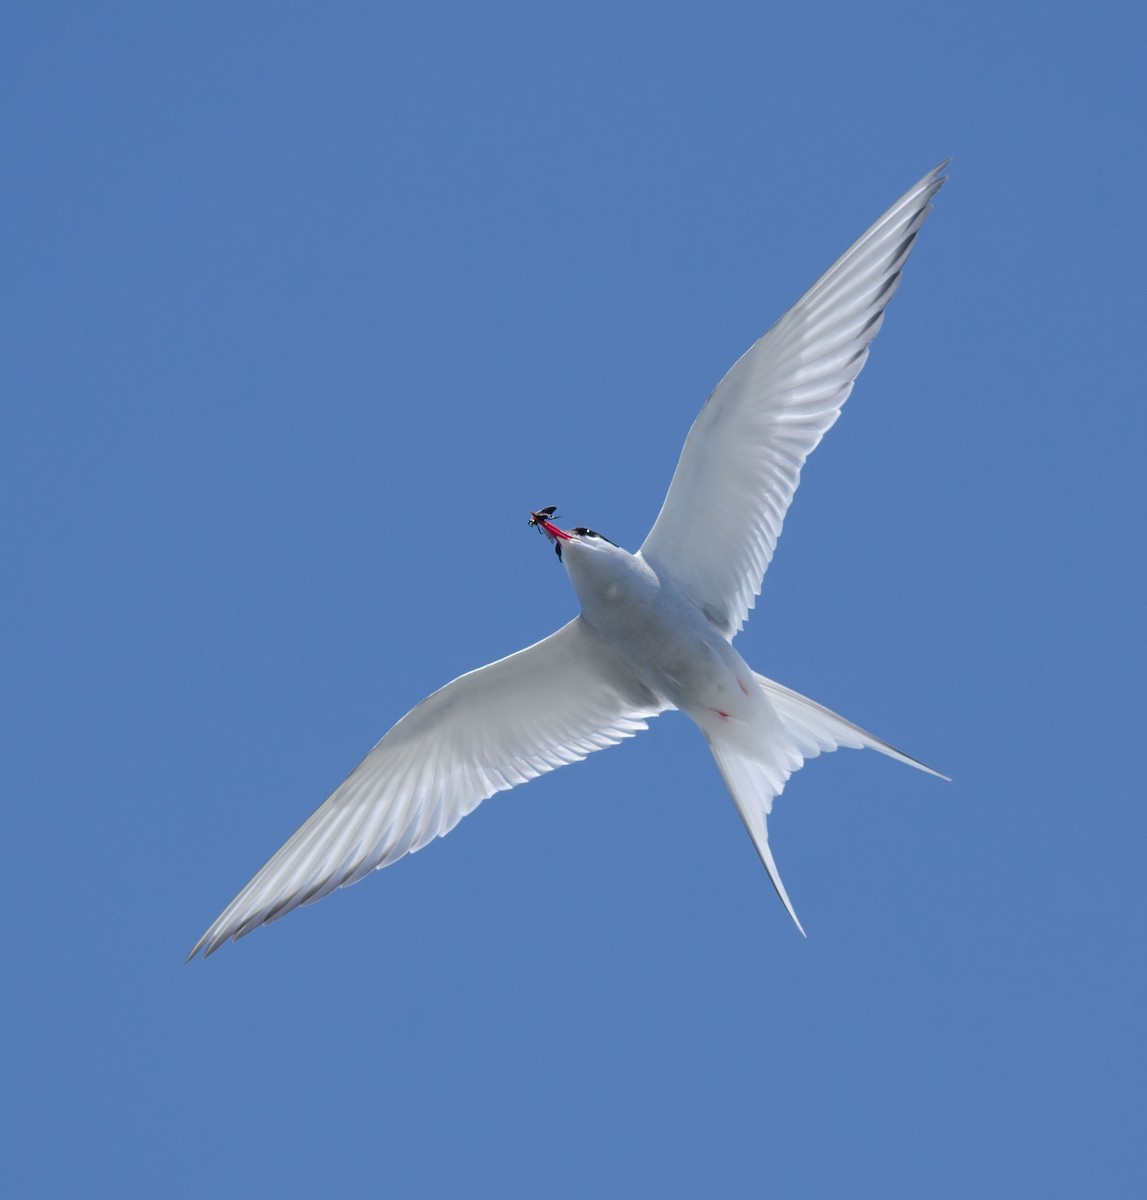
(579,535)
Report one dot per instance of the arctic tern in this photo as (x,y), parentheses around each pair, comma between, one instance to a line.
(656,628)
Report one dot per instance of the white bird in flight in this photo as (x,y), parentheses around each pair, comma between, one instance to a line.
(656,628)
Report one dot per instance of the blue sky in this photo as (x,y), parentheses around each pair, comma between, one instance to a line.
(305,307)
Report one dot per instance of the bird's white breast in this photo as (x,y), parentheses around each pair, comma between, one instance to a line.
(665,639)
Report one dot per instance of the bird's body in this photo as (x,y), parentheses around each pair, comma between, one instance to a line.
(661,636)
(656,627)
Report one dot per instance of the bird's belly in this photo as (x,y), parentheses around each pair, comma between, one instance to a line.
(674,651)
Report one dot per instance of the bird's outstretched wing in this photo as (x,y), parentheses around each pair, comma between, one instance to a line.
(741,463)
(550,704)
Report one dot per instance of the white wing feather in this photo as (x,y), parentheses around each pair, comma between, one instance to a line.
(741,463)
(550,704)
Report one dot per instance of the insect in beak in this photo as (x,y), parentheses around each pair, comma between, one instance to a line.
(542,515)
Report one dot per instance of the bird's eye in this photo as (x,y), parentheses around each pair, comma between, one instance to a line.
(582,531)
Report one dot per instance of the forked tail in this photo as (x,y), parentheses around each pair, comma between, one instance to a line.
(754,782)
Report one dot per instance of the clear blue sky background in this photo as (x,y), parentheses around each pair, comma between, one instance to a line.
(305,307)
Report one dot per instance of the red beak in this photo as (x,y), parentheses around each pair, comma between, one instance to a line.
(541,520)
(552,531)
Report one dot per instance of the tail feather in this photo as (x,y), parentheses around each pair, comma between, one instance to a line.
(815,728)
(755,781)
(753,786)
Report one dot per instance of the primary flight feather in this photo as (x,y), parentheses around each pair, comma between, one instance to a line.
(656,627)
